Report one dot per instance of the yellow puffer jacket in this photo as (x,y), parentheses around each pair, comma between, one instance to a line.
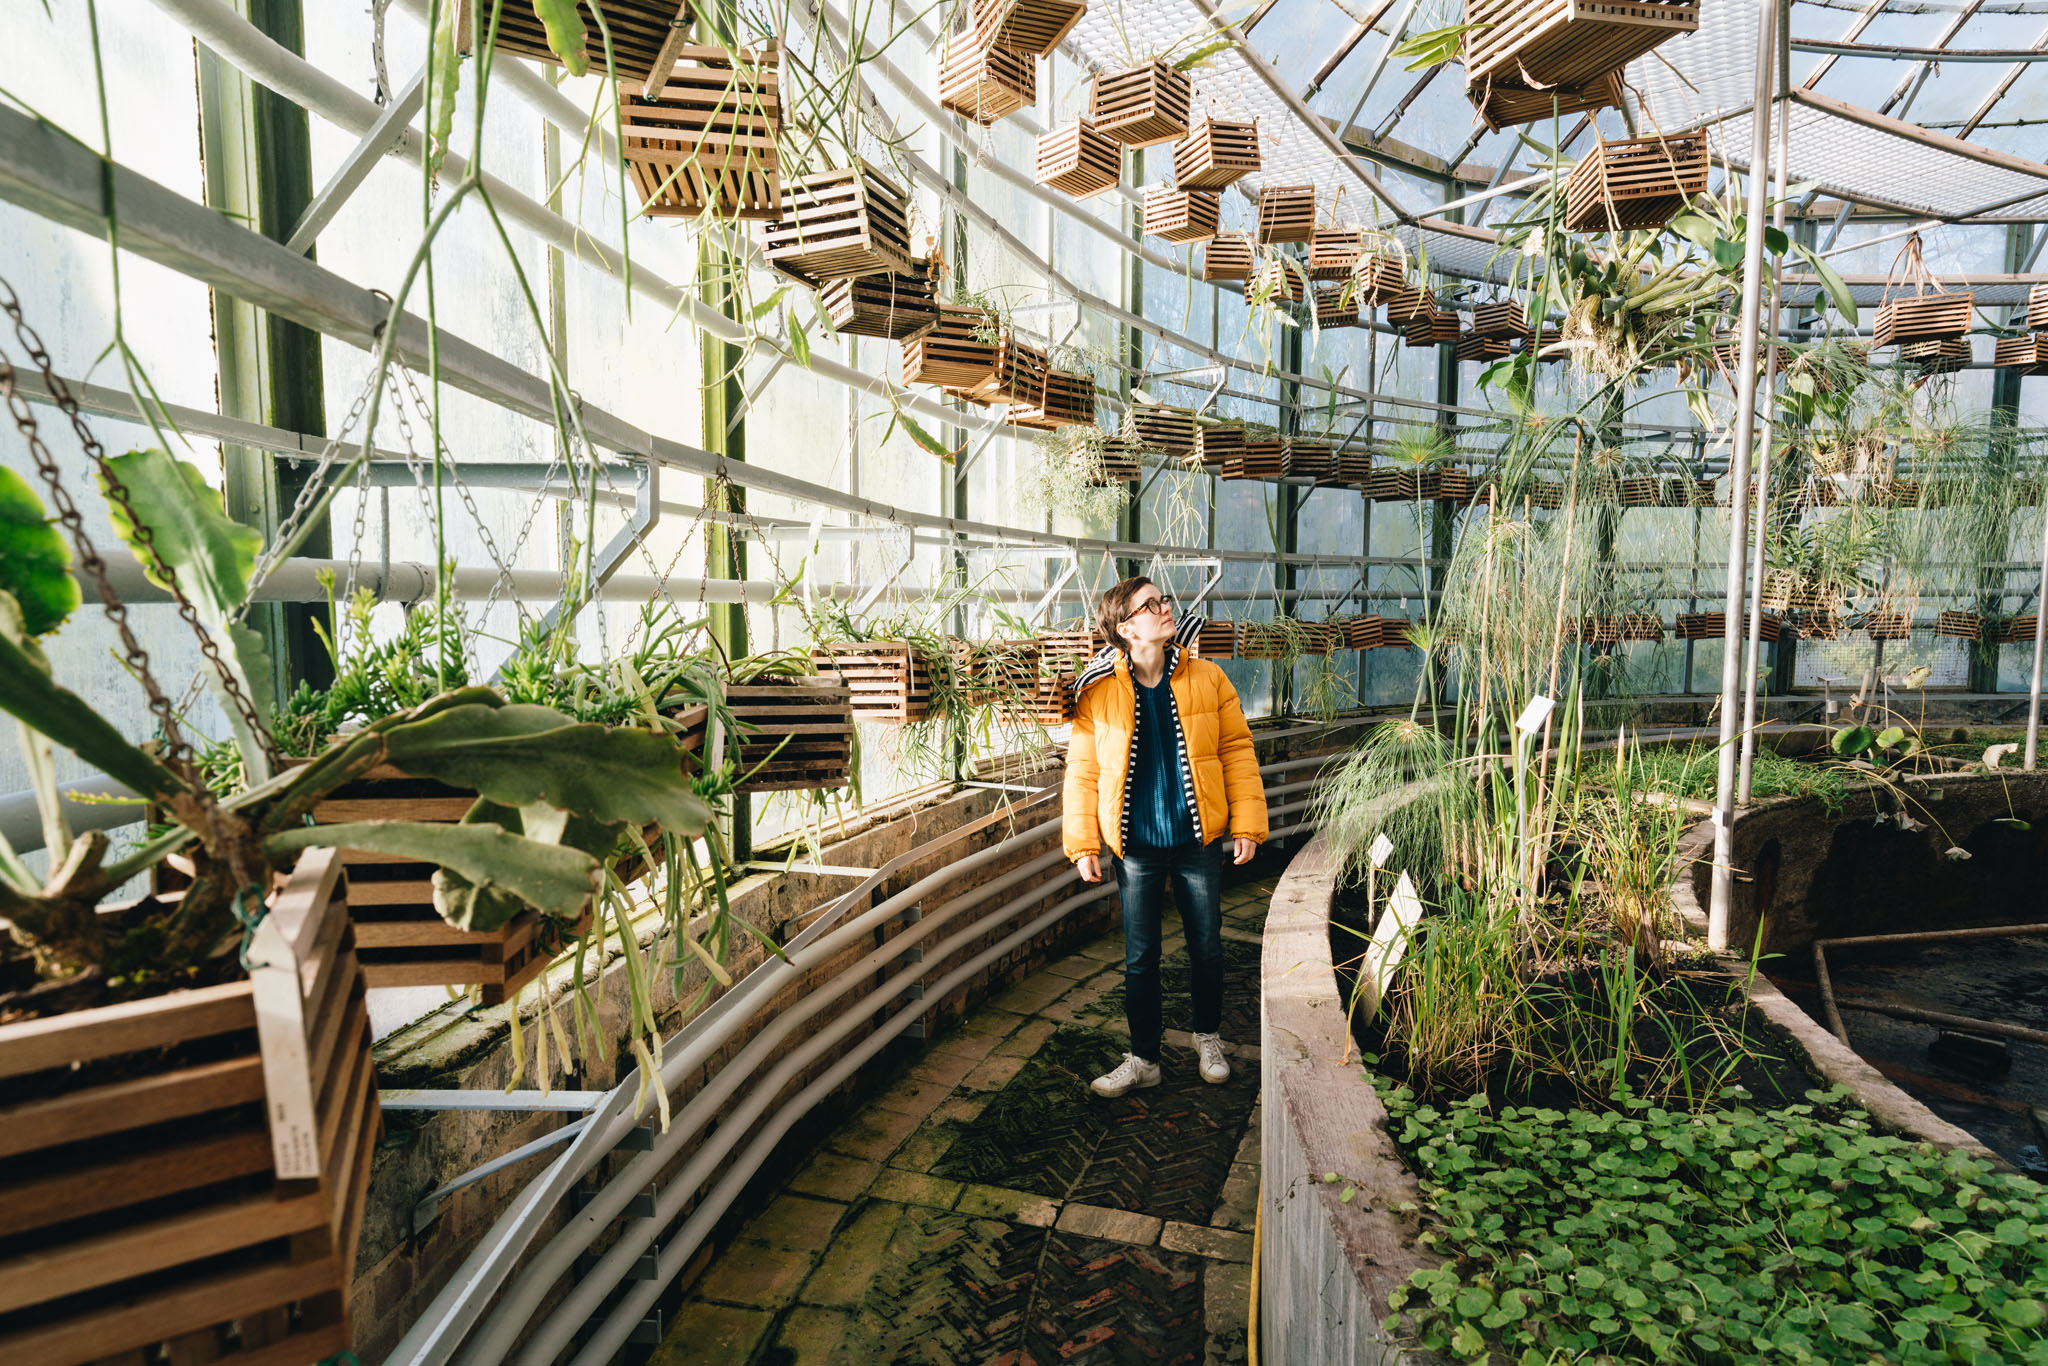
(1230,797)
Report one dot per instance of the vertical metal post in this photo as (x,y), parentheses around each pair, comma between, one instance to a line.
(1738,477)
(1781,115)
(1287,523)
(2040,636)
(725,435)
(1131,522)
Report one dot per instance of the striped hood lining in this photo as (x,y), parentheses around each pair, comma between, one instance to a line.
(1104,662)
(1104,666)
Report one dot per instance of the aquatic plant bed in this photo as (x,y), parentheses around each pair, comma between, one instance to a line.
(1736,1235)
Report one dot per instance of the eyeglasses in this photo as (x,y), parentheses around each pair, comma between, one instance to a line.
(1162,606)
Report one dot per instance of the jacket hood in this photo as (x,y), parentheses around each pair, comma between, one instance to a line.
(1105,660)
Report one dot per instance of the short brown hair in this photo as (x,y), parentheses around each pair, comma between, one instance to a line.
(1115,608)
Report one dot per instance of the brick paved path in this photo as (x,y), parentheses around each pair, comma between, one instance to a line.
(987,1208)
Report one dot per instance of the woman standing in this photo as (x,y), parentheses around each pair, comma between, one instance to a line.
(1161,769)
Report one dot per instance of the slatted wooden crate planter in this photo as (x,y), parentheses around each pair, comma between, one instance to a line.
(1896,493)
(1959,625)
(1334,253)
(1354,468)
(1394,633)
(888,681)
(1503,101)
(1119,462)
(1641,626)
(954,353)
(1361,632)
(1310,459)
(1501,320)
(983,83)
(1033,27)
(1257,640)
(1079,160)
(1217,640)
(186,1174)
(840,224)
(1544,345)
(1430,326)
(989,671)
(1565,42)
(1938,316)
(1635,183)
(1066,399)
(1472,346)
(1141,106)
(705,140)
(1454,485)
(1888,625)
(2018,630)
(1598,630)
(2035,319)
(1714,626)
(646,35)
(1215,154)
(1943,357)
(1783,589)
(1163,429)
(1218,442)
(796,734)
(1336,305)
(1287,213)
(1822,624)
(1690,493)
(1381,279)
(1264,457)
(1542,493)
(1599,488)
(1047,699)
(1181,216)
(1641,491)
(1321,638)
(2028,354)
(1394,484)
(1067,647)
(1021,373)
(899,306)
(401,940)
(1277,280)
(1228,256)
(1813,495)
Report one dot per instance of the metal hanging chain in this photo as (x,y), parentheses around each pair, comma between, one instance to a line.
(308,499)
(355,548)
(177,747)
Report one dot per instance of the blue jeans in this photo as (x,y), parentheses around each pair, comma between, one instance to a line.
(1196,871)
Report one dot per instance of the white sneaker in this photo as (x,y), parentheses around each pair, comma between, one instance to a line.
(1215,1067)
(1132,1074)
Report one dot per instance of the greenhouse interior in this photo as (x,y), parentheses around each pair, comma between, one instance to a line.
(1023,681)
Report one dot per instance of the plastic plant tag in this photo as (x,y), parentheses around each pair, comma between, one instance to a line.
(1535,714)
(1382,849)
(1389,944)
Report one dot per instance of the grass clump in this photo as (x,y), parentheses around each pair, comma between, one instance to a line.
(1690,772)
(1735,1235)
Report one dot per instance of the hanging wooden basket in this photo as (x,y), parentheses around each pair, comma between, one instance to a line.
(1264,457)
(1472,346)
(1823,624)
(1635,183)
(1079,160)
(1067,647)
(1503,101)
(1334,253)
(888,681)
(2018,630)
(1046,699)
(1032,27)
(2036,317)
(646,35)
(1378,278)
(1287,213)
(1163,429)
(1217,640)
(954,353)
(1276,280)
(1543,345)
(1336,305)
(1566,42)
(989,671)
(796,734)
(705,140)
(1216,443)
(1119,462)
(1714,626)
(187,1173)
(1690,493)
(1141,106)
(2027,354)
(1501,320)
(982,82)
(1228,256)
(1959,626)
(1065,399)
(1310,460)
(1394,484)
(1354,468)
(1641,626)
(1928,314)
(1888,625)
(1641,491)
(1361,632)
(1944,357)
(1215,154)
(1181,216)
(898,305)
(842,224)
(1020,374)
(1430,326)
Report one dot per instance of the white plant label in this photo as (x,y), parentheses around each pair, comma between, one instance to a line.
(1389,944)
(1382,849)
(1535,714)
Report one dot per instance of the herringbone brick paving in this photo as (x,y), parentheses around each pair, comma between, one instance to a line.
(988,1209)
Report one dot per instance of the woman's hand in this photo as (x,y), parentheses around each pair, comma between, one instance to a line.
(1243,849)
(1089,866)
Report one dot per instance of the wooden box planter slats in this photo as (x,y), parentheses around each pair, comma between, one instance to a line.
(1813,495)
(1430,326)
(1218,442)
(1472,346)
(1689,493)
(1714,626)
(1068,647)
(1821,624)
(1543,345)
(706,140)
(988,671)
(1361,632)
(1228,256)
(1046,698)
(1454,485)
(1390,484)
(1020,375)
(1215,154)
(2018,630)
(1599,488)
(1599,630)
(1542,493)
(1182,216)
(982,82)
(952,354)
(199,1159)
(1257,640)
(1501,320)
(1943,357)
(1217,640)
(1641,491)
(1164,429)
(1641,626)
(1897,493)
(1336,306)
(799,731)
(1119,461)
(646,35)
(1264,457)
(1310,459)
(1888,626)
(1504,101)
(1277,280)
(1959,625)
(1321,638)
(1566,42)
(2028,354)
(889,680)
(1079,160)
(1032,27)
(840,224)
(1354,468)
(1333,253)
(1923,317)
(1287,213)
(1141,106)
(1064,399)
(1635,183)
(2035,318)
(400,938)
(897,305)
(1382,279)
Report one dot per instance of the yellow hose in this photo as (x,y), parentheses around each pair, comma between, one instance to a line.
(1258,1213)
